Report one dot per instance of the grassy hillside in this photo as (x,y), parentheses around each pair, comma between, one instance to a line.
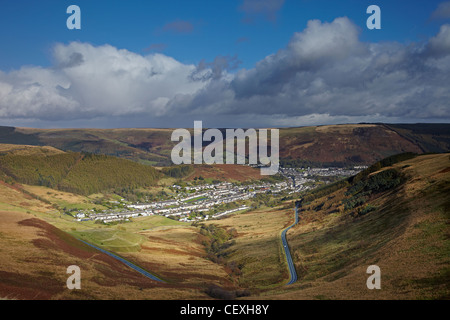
(96,173)
(38,244)
(256,256)
(394,214)
(395,217)
(80,173)
(224,172)
(353,144)
(18,149)
(341,145)
(147,146)
(35,255)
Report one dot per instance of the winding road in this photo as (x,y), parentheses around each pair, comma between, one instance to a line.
(138,269)
(292,272)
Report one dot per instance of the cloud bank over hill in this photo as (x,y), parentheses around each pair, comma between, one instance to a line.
(325,74)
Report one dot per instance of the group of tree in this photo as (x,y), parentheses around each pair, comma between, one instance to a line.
(81,173)
(179,171)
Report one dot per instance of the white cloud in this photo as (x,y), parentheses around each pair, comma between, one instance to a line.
(325,73)
(439,45)
(92,81)
(326,69)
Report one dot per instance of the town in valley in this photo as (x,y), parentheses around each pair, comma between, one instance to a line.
(203,201)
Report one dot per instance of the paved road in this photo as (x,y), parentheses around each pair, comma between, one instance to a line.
(292,272)
(138,269)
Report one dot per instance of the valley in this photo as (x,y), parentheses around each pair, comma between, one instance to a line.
(210,233)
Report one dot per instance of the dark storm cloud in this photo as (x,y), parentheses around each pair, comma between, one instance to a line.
(215,69)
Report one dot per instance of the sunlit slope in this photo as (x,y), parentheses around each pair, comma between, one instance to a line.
(75,172)
(35,255)
(395,217)
(38,244)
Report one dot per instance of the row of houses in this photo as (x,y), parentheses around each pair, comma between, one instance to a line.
(111,217)
(222,185)
(217,215)
(222,193)
(162,207)
(158,204)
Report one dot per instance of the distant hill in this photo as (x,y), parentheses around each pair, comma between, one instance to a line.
(339,145)
(429,137)
(81,173)
(18,149)
(146,146)
(361,144)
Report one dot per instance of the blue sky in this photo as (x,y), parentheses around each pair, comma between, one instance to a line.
(219,27)
(229,38)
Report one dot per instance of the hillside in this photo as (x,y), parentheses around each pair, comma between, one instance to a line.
(394,215)
(429,137)
(356,144)
(147,146)
(17,149)
(35,256)
(37,247)
(38,243)
(209,173)
(342,144)
(80,173)
(224,172)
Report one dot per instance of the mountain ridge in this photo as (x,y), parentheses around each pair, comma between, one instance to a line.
(338,145)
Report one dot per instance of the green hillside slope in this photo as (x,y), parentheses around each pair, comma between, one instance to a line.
(80,173)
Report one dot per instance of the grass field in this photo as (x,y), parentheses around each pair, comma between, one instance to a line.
(111,239)
(176,253)
(123,237)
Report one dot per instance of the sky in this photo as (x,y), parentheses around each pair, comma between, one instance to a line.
(228,63)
